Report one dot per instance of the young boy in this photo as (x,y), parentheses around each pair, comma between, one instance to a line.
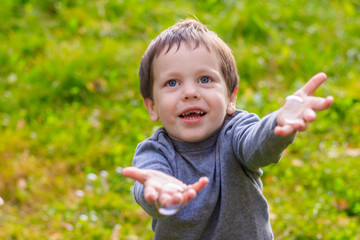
(206,160)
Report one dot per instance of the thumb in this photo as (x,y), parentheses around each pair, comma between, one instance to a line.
(135,173)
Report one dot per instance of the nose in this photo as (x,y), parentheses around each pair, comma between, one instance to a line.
(190,91)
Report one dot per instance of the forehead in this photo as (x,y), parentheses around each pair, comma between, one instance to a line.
(185,56)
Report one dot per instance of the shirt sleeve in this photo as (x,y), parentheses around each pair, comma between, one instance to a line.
(150,155)
(254,142)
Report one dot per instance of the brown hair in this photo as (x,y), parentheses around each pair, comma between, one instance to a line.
(189,31)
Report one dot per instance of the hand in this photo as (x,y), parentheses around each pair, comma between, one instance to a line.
(162,189)
(301,106)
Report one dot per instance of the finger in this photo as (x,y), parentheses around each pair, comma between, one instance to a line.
(319,103)
(189,195)
(310,87)
(199,184)
(151,194)
(192,190)
(296,124)
(177,198)
(165,200)
(168,200)
(300,127)
(284,130)
(329,100)
(309,115)
(135,173)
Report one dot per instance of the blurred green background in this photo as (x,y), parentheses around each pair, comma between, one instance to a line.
(71,113)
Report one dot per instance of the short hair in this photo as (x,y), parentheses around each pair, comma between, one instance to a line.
(188,31)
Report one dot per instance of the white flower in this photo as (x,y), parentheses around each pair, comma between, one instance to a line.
(83,217)
(91,177)
(104,174)
(79,193)
(93,216)
(118,170)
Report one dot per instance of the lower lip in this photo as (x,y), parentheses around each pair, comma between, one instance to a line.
(192,120)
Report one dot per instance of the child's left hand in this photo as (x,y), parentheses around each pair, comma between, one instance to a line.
(301,106)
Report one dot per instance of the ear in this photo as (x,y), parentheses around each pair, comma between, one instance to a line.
(150,106)
(231,108)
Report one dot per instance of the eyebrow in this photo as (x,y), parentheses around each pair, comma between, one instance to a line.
(209,70)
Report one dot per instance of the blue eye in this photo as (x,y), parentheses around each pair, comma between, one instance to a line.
(172,83)
(205,80)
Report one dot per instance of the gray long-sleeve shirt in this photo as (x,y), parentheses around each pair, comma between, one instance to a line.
(232,205)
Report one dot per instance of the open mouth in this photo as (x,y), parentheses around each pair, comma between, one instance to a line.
(192,114)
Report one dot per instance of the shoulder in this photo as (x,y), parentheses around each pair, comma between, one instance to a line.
(159,139)
(242,123)
(155,152)
(240,118)
(157,146)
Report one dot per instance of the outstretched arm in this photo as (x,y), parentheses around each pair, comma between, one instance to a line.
(301,106)
(162,189)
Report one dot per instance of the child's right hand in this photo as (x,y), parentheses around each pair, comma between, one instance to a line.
(162,189)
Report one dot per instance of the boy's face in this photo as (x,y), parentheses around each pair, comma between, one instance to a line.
(190,96)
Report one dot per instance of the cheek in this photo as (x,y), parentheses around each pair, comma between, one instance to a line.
(165,108)
(220,101)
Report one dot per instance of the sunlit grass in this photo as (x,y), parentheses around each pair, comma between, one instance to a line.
(71,113)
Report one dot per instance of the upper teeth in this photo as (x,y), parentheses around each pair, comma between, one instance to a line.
(192,112)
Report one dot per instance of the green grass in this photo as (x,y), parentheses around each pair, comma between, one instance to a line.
(70,107)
